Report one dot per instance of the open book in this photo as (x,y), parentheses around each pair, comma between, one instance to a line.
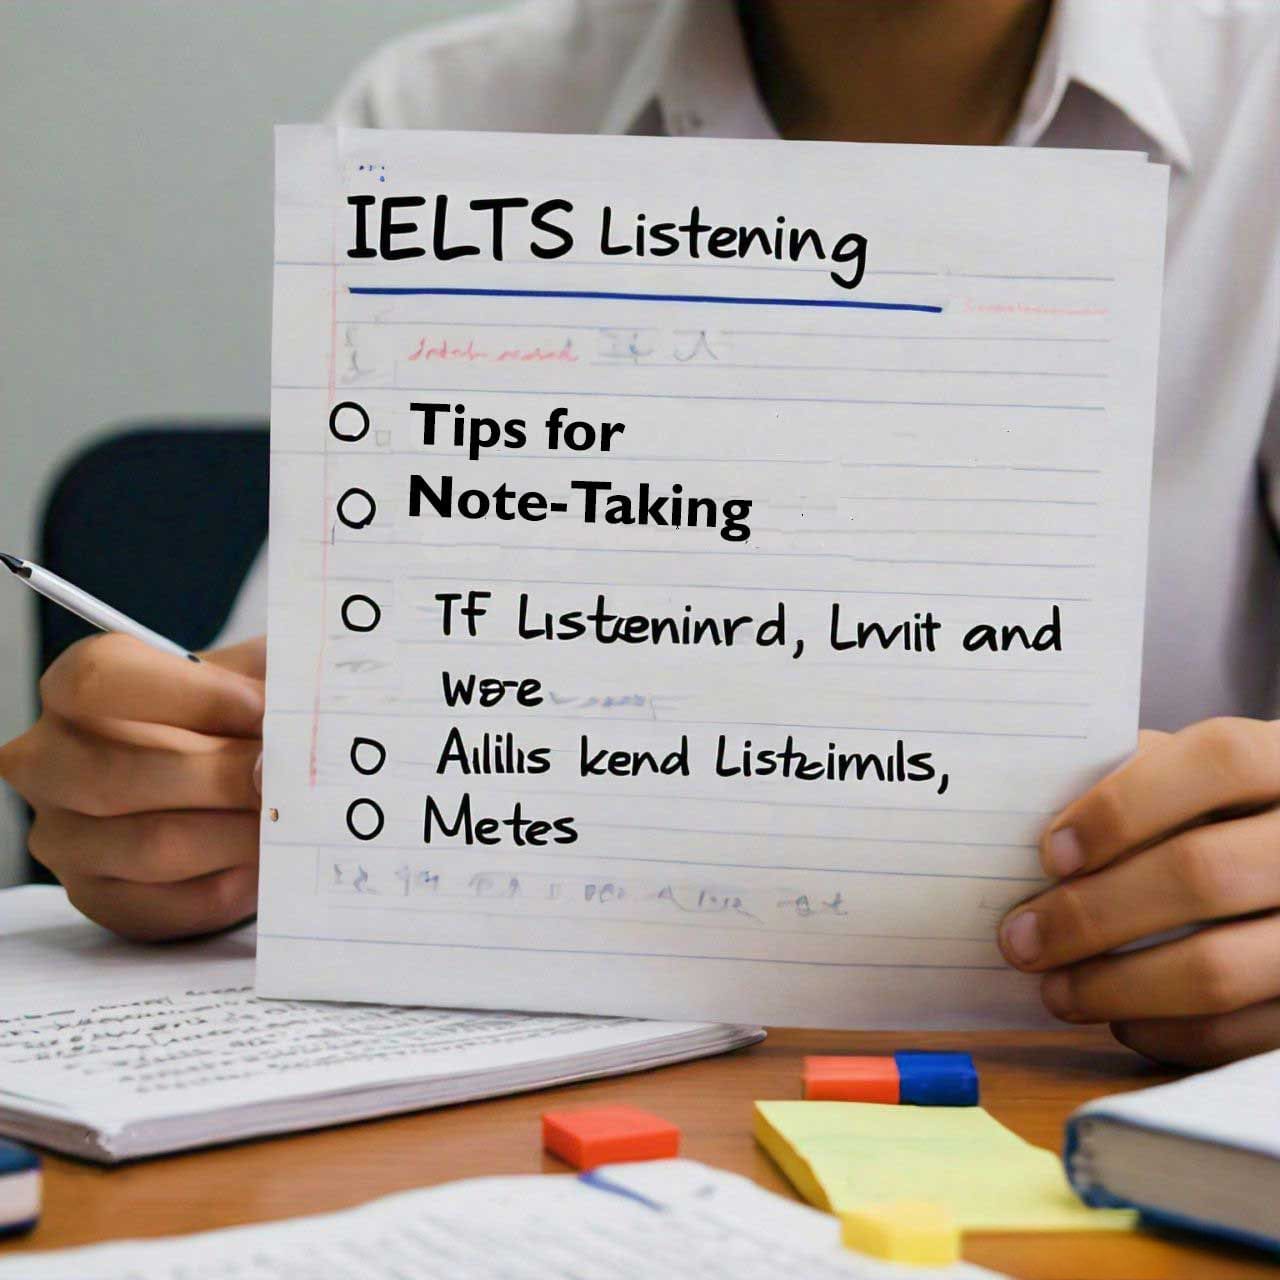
(1203,1152)
(111,1050)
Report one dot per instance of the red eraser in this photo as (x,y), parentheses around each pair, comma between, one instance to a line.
(851,1079)
(594,1136)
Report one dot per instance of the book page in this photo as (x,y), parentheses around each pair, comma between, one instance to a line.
(699,569)
(645,1221)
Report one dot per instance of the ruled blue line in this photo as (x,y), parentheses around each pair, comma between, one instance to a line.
(601,295)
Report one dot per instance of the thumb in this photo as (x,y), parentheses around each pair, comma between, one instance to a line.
(257,775)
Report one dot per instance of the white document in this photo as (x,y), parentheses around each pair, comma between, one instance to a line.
(694,600)
(110,1050)
(647,1221)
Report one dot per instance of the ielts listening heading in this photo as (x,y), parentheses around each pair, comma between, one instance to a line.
(384,227)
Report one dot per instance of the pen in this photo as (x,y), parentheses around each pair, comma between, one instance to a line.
(88,607)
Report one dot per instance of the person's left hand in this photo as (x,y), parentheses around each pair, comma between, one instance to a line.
(1187,832)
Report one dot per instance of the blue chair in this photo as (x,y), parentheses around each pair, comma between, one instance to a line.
(163,521)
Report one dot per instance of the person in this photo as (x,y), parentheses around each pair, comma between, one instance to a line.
(142,775)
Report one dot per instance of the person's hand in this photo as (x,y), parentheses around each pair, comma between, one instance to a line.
(144,774)
(1186,833)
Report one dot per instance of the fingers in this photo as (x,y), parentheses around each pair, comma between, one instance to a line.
(60,766)
(117,677)
(1208,873)
(249,658)
(151,912)
(142,773)
(1163,842)
(1211,767)
(145,848)
(1215,971)
(1206,1041)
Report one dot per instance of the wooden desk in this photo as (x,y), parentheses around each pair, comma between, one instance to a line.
(1029,1081)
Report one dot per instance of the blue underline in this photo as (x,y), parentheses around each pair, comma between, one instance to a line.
(600,295)
(594,1178)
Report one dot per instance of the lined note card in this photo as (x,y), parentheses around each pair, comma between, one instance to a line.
(698,568)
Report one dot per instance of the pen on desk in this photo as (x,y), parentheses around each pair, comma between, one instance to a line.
(88,607)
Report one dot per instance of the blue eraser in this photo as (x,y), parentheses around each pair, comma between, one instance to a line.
(19,1188)
(937,1079)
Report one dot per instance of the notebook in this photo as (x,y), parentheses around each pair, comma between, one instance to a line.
(646,1221)
(110,1050)
(1202,1153)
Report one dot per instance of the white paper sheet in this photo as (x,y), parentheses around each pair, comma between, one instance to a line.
(129,1049)
(648,1221)
(962,439)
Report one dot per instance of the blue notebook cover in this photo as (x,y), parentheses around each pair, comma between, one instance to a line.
(15,1160)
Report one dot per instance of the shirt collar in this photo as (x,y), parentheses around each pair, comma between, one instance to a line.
(1105,46)
(694,65)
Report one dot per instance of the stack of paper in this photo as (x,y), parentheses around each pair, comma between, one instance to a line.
(642,1221)
(110,1050)
(842,1155)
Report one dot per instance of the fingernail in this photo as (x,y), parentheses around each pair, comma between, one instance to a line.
(257,774)
(1063,853)
(1021,937)
(1055,991)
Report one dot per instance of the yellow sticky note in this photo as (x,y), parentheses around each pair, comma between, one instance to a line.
(845,1155)
(905,1231)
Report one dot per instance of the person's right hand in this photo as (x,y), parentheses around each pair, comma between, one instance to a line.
(144,774)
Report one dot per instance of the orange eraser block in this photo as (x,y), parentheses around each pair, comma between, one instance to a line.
(851,1079)
(594,1136)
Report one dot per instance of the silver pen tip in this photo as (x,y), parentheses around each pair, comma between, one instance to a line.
(15,565)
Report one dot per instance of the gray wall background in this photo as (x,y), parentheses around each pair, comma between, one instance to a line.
(135,229)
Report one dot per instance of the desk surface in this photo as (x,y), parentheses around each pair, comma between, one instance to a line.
(1030,1081)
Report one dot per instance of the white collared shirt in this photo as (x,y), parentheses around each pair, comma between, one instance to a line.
(1196,83)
